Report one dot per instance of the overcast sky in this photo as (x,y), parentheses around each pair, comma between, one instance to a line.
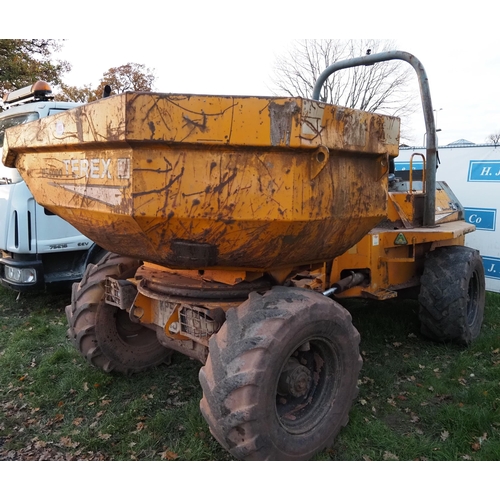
(464,77)
(223,47)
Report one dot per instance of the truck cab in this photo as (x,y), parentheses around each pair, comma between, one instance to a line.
(37,248)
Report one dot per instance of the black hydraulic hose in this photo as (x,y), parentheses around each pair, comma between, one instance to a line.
(353,279)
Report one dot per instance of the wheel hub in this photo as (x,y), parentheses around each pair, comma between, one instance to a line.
(295,379)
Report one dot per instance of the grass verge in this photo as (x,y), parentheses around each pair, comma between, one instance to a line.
(417,401)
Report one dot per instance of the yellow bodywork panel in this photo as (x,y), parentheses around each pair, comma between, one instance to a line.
(394,258)
(408,207)
(405,207)
(200,182)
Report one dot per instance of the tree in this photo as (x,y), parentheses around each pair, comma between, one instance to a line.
(383,87)
(76,94)
(129,77)
(494,138)
(23,61)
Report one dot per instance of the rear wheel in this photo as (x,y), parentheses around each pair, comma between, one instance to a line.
(281,375)
(452,295)
(104,334)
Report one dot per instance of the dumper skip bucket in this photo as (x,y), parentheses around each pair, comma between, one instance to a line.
(197,182)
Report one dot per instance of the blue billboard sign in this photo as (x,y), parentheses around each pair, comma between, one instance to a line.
(484,171)
(483,218)
(402,166)
(491,267)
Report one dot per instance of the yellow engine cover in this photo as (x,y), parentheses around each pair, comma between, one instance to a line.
(191,181)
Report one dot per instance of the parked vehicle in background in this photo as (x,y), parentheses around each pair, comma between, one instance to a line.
(37,248)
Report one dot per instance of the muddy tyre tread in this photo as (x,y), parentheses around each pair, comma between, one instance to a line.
(241,355)
(86,297)
(447,311)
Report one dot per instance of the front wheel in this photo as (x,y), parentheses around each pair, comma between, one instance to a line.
(452,295)
(281,375)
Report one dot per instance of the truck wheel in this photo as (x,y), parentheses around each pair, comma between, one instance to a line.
(104,334)
(281,375)
(452,295)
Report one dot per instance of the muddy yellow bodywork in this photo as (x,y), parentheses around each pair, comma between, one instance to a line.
(394,258)
(200,182)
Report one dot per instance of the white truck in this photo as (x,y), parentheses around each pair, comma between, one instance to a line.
(38,249)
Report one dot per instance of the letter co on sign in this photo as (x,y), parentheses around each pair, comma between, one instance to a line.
(483,218)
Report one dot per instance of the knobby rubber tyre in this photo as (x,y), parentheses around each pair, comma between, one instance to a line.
(452,295)
(104,334)
(281,375)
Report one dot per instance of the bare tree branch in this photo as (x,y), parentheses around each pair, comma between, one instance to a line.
(384,87)
(494,138)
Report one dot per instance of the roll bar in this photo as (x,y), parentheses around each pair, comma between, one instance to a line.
(430,126)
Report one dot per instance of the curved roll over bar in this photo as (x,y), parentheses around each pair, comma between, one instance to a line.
(430,126)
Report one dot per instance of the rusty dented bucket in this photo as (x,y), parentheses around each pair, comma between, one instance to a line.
(196,182)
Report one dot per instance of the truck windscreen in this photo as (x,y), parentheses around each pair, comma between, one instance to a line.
(11,121)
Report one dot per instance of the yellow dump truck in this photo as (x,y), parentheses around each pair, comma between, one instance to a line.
(233,222)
